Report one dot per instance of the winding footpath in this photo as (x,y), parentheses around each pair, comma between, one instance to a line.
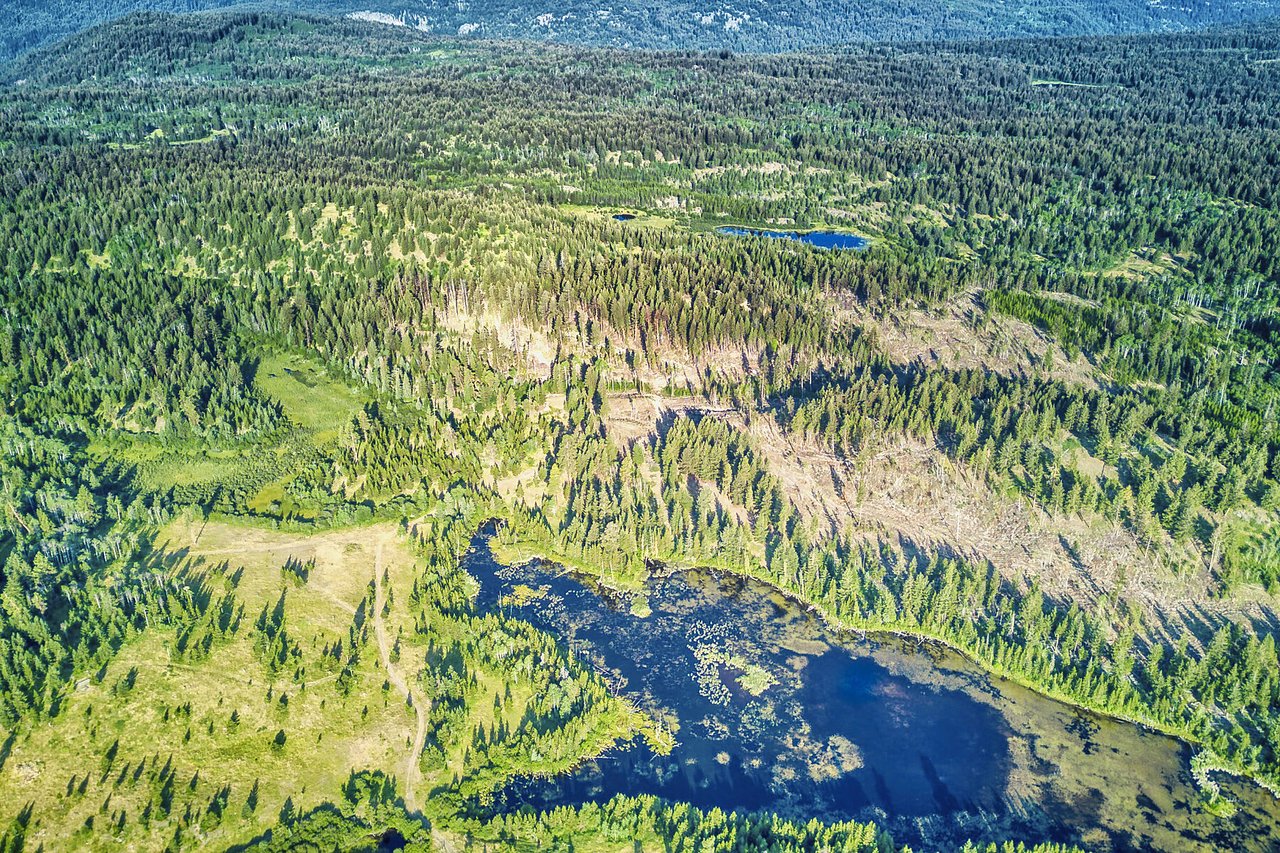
(411,769)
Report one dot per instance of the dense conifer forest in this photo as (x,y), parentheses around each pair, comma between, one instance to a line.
(681,24)
(290,306)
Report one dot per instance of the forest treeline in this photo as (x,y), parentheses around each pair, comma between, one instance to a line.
(369,809)
(682,25)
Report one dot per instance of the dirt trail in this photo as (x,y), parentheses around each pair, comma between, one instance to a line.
(411,770)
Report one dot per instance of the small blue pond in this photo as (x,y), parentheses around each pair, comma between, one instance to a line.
(821,239)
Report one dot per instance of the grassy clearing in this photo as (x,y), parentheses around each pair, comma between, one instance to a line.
(1072,85)
(212,749)
(158,134)
(161,467)
(96,761)
(1137,267)
(318,404)
(310,397)
(642,219)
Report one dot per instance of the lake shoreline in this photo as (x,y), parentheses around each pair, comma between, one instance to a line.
(822,238)
(1028,766)
(663,569)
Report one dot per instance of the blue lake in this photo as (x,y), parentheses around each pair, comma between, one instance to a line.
(821,239)
(775,710)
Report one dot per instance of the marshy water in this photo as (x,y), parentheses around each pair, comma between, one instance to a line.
(821,239)
(774,710)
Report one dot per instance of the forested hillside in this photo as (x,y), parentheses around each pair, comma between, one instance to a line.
(292,305)
(762,26)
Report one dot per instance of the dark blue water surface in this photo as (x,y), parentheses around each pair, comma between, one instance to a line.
(821,239)
(839,726)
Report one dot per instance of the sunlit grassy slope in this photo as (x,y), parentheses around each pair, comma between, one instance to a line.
(315,662)
(214,720)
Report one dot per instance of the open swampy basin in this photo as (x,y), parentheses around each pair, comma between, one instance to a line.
(774,710)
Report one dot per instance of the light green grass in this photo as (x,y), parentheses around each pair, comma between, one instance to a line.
(310,397)
(321,404)
(158,133)
(328,735)
(1075,85)
(642,219)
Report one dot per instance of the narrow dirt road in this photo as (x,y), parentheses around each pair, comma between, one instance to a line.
(411,771)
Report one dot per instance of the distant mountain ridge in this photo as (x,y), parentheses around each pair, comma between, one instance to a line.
(739,25)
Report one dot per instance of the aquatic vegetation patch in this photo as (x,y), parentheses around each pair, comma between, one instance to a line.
(833,759)
(752,677)
(755,679)
(707,674)
(522,594)
(804,646)
(1203,764)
